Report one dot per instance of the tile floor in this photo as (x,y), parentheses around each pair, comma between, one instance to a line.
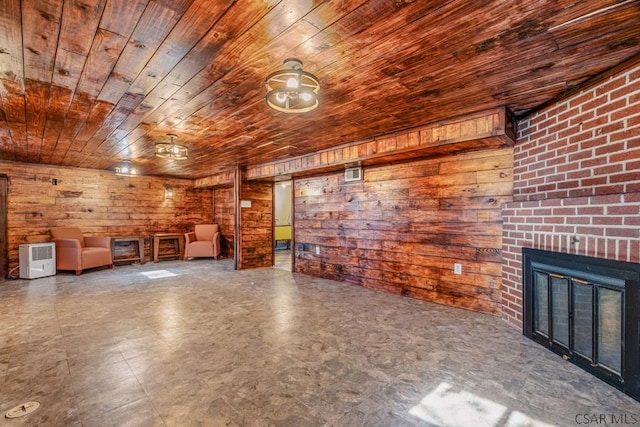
(199,344)
(282,259)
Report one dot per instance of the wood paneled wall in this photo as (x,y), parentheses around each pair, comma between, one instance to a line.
(98,202)
(224,214)
(256,225)
(404,226)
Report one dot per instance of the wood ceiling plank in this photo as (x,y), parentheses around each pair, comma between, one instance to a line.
(13,106)
(104,53)
(278,21)
(80,20)
(199,61)
(192,26)
(59,103)
(68,68)
(37,94)
(11,60)
(154,25)
(95,120)
(121,17)
(40,29)
(107,134)
(76,115)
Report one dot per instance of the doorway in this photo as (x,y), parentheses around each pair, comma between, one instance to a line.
(4,250)
(283,225)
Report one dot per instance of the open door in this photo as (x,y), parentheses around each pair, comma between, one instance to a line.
(283,225)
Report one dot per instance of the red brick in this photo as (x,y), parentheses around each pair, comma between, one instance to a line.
(626,90)
(596,122)
(623,135)
(610,128)
(579,156)
(631,198)
(607,169)
(610,148)
(550,203)
(634,251)
(609,189)
(611,85)
(555,177)
(632,221)
(606,220)
(591,182)
(632,233)
(623,209)
(624,156)
(554,220)
(577,220)
(568,184)
(580,99)
(560,194)
(546,187)
(591,210)
(583,136)
(625,177)
(633,121)
(606,200)
(590,231)
(593,142)
(593,162)
(611,106)
(594,103)
(580,173)
(625,113)
(580,192)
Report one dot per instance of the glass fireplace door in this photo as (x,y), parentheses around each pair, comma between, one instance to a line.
(580,318)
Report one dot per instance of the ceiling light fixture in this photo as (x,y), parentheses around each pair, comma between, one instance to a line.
(292,90)
(125,169)
(171,150)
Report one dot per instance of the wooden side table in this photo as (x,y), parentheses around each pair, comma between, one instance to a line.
(137,240)
(178,245)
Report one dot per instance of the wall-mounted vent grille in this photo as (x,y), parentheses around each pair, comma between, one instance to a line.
(353,174)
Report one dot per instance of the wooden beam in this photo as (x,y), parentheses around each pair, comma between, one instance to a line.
(487,129)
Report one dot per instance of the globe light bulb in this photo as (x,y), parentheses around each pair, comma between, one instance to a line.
(292,83)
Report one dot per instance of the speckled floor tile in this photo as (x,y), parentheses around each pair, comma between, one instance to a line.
(198,344)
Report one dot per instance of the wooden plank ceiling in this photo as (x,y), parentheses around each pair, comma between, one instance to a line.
(89,83)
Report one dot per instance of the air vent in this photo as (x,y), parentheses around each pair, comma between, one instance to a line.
(353,174)
(39,253)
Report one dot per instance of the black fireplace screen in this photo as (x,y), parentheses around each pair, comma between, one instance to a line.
(586,310)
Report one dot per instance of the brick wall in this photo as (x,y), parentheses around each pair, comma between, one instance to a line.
(576,181)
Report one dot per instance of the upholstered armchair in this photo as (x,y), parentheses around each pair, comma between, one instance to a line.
(203,242)
(76,252)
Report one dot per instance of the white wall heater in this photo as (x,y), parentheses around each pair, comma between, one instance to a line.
(37,260)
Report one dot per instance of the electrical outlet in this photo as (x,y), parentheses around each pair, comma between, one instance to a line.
(317,250)
(457,268)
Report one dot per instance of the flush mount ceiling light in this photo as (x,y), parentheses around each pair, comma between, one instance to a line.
(171,150)
(292,90)
(125,169)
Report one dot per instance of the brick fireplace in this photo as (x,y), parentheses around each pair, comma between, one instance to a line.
(576,181)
